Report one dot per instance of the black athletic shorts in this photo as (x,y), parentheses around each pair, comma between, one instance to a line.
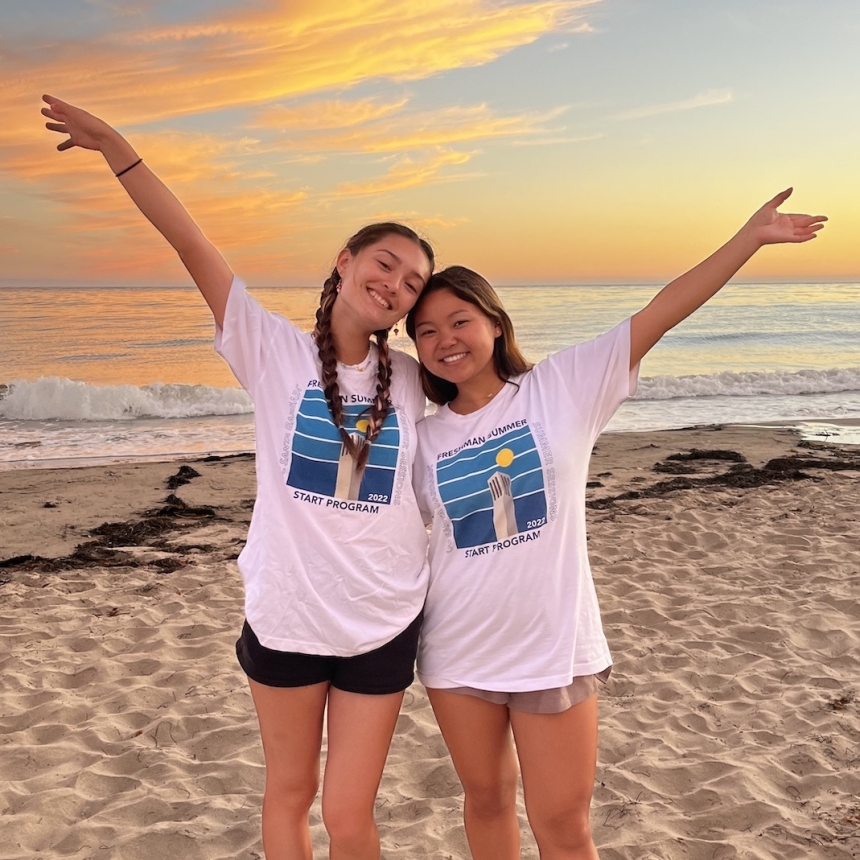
(387,669)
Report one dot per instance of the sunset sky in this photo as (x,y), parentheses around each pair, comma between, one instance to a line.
(590,141)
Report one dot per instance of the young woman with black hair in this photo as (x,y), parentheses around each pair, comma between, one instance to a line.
(512,643)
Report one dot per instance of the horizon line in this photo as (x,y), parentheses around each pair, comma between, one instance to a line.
(49,284)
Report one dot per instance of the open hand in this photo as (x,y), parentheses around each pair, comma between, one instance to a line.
(83,129)
(772,227)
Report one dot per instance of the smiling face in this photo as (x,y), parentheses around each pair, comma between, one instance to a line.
(381,282)
(455,340)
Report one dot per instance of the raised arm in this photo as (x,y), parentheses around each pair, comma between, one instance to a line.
(157,202)
(677,300)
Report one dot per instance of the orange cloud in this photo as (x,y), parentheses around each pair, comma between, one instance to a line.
(205,172)
(398,131)
(326,115)
(408,172)
(286,49)
(254,57)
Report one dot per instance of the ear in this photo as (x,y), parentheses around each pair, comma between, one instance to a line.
(498,330)
(344,258)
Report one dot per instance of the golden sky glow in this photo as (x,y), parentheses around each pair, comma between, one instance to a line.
(533,141)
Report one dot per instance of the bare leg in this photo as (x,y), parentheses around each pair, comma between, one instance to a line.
(359,735)
(478,736)
(558,759)
(291,720)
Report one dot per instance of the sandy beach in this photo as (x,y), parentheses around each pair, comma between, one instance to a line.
(727,561)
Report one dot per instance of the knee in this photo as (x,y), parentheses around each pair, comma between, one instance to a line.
(562,829)
(347,823)
(290,795)
(491,799)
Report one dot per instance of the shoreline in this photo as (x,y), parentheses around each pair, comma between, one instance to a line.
(725,561)
(843,433)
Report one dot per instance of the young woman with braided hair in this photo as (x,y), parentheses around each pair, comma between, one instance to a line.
(334,565)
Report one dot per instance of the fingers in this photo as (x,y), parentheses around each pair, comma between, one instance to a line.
(55,107)
(807,220)
(55,112)
(807,233)
(780,198)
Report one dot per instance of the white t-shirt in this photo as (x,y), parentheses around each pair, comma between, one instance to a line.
(333,565)
(511,605)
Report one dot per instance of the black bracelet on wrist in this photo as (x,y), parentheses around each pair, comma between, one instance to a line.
(126,170)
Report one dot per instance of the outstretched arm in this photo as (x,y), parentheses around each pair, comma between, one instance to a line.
(690,291)
(204,263)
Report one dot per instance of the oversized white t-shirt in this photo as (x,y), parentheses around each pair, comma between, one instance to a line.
(334,563)
(511,605)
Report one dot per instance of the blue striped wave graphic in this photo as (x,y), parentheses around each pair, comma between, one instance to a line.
(493,491)
(319,463)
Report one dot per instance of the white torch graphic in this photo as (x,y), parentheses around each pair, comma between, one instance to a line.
(348,481)
(504,516)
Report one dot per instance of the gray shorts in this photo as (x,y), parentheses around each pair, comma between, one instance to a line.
(552,701)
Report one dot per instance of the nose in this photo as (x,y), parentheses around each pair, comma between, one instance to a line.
(447,338)
(391,282)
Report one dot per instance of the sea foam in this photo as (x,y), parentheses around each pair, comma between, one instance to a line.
(72,400)
(750,384)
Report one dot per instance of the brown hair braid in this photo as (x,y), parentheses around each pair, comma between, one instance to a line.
(469,286)
(324,338)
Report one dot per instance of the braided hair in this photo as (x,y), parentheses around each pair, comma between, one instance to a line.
(324,337)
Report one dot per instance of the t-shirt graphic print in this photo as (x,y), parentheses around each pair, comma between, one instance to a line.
(321,464)
(494,491)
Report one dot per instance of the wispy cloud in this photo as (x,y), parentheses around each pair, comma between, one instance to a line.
(408,172)
(290,64)
(550,141)
(204,170)
(120,9)
(280,49)
(324,114)
(705,99)
(395,130)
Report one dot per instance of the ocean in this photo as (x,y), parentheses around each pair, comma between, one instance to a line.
(100,375)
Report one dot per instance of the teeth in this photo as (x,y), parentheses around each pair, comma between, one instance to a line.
(457,357)
(379,300)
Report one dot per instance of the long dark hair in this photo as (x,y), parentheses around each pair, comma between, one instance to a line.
(469,286)
(324,338)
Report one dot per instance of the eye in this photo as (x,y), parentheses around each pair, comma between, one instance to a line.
(425,331)
(384,265)
(413,288)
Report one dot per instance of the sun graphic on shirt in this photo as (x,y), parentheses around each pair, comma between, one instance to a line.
(362,425)
(504,458)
